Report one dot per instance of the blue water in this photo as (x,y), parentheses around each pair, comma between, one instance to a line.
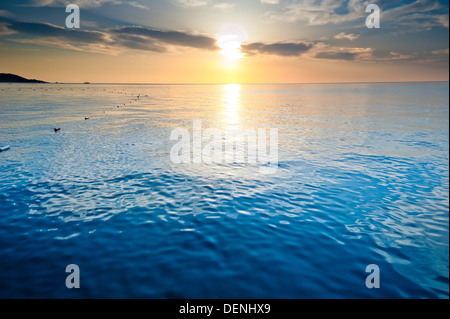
(363,178)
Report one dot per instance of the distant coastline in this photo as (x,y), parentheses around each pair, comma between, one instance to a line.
(12,78)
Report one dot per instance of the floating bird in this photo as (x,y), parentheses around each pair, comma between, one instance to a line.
(86,118)
(57,129)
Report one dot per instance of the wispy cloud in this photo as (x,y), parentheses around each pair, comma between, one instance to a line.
(54,31)
(309,50)
(440,52)
(435,57)
(139,43)
(84,4)
(98,48)
(224,6)
(49,35)
(443,20)
(417,6)
(138,5)
(4,30)
(318,12)
(395,56)
(324,51)
(177,38)
(132,37)
(270,1)
(418,14)
(80,3)
(191,3)
(281,48)
(347,36)
(6,14)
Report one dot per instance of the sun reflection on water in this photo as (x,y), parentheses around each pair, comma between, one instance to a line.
(232,103)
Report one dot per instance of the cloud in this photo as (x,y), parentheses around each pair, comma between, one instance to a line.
(102,48)
(50,30)
(191,3)
(224,6)
(349,56)
(318,12)
(270,1)
(321,50)
(417,15)
(80,3)
(4,30)
(140,43)
(440,52)
(45,34)
(443,20)
(325,51)
(370,55)
(128,37)
(440,57)
(138,5)
(347,36)
(6,14)
(83,4)
(398,14)
(416,22)
(53,31)
(418,6)
(435,57)
(395,56)
(286,49)
(177,38)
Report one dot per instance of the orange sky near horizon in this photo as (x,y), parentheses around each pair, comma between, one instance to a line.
(208,67)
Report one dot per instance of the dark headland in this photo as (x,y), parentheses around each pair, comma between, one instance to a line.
(12,78)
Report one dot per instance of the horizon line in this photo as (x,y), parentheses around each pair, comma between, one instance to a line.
(247,83)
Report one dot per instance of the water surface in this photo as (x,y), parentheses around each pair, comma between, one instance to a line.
(362,179)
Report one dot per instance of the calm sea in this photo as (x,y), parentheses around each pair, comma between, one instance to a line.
(363,178)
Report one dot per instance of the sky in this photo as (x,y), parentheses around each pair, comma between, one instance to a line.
(225,41)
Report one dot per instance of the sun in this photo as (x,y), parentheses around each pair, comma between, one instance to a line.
(230,39)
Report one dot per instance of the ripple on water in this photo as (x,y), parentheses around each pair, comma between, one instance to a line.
(352,189)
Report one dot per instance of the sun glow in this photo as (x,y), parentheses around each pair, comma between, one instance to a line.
(230,40)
